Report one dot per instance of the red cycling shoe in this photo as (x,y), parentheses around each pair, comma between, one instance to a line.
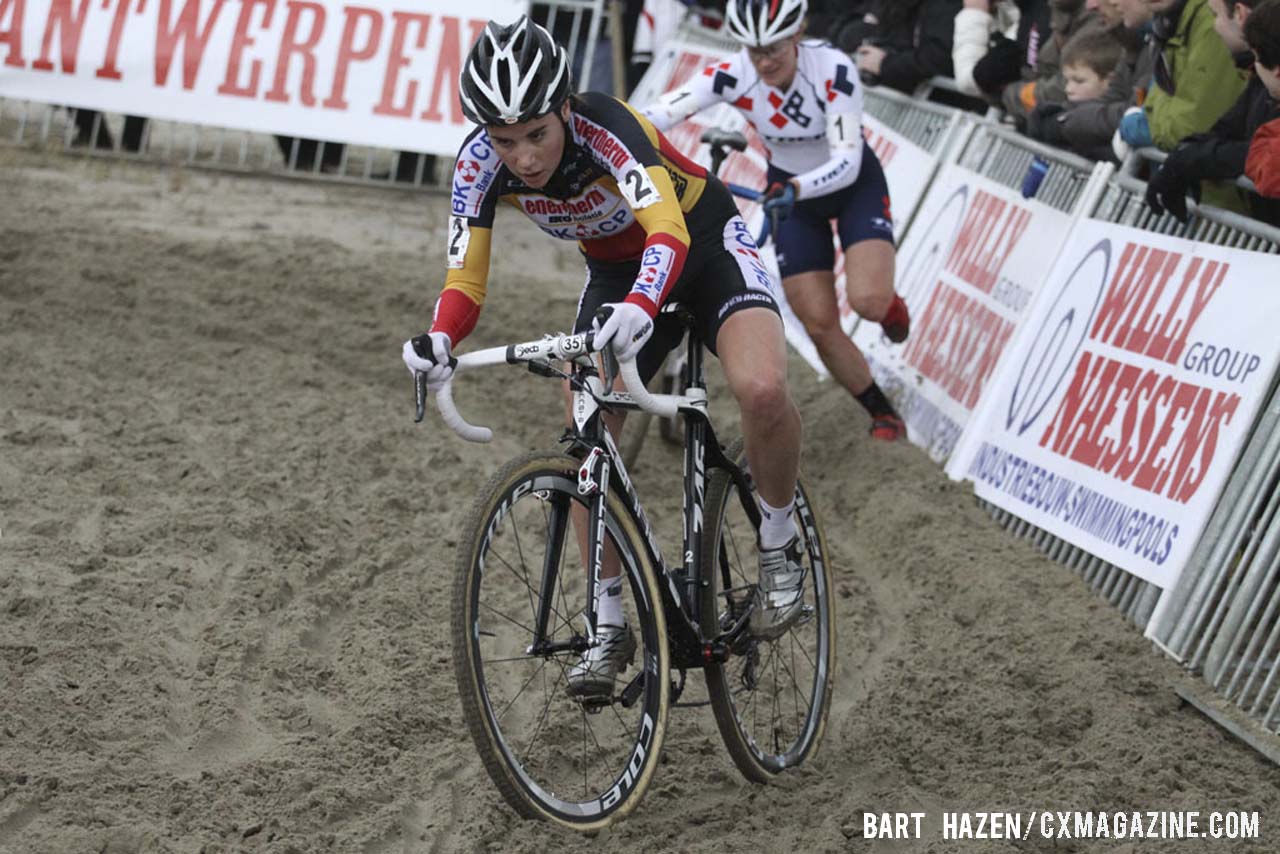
(888,428)
(897,321)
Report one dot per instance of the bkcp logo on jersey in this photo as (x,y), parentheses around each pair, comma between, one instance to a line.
(471,177)
(655,269)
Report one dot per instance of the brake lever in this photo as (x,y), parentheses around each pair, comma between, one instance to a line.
(611,369)
(420,395)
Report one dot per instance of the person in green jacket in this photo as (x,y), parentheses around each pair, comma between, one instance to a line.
(1195,79)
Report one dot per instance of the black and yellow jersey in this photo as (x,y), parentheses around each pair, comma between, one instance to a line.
(621,190)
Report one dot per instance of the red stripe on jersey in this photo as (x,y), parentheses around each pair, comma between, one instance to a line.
(455,316)
(684,164)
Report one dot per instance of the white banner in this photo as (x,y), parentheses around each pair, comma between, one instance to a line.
(1129,393)
(968,270)
(381,72)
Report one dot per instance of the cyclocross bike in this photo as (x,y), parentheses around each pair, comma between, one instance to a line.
(524,592)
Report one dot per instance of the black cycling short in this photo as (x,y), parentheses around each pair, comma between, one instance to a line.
(721,276)
(861,212)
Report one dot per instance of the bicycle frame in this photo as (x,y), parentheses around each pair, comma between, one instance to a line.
(603,463)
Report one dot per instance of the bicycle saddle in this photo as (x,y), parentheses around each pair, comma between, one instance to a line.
(717,138)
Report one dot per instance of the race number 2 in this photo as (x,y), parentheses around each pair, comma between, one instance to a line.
(459,237)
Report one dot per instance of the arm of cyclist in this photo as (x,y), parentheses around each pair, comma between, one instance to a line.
(646,185)
(713,84)
(467,252)
(844,134)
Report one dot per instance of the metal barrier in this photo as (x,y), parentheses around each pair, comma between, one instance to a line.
(1221,619)
(926,90)
(1124,202)
(925,124)
(576,10)
(1137,156)
(36,125)
(1004,155)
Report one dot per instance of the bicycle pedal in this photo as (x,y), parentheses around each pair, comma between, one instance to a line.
(806,614)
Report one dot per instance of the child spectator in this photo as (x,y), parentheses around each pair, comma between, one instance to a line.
(1220,154)
(1040,79)
(1262,165)
(1089,63)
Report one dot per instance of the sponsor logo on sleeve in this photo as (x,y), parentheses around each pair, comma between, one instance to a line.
(655,269)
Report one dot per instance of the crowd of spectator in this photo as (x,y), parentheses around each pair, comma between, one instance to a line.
(1198,79)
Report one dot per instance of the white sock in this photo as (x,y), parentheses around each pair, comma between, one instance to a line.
(609,602)
(776,525)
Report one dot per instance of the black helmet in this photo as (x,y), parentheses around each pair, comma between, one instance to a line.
(513,74)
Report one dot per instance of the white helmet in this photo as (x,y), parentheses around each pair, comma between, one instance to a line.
(757,23)
(513,74)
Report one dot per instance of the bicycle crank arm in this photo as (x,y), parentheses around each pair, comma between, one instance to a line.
(543,649)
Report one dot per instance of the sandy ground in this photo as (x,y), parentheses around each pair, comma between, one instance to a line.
(226,551)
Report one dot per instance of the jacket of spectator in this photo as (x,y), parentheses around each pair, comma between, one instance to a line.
(1042,81)
(1262,166)
(828,18)
(1205,77)
(974,29)
(1222,152)
(1009,61)
(917,36)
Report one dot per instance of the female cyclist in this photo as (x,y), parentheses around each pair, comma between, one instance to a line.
(804,99)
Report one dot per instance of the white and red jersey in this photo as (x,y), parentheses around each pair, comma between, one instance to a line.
(812,130)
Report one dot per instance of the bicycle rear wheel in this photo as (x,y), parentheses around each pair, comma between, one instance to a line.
(771,697)
(551,756)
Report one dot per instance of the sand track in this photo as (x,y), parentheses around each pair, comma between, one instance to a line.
(226,551)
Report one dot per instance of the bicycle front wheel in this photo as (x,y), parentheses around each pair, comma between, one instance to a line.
(771,697)
(551,755)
